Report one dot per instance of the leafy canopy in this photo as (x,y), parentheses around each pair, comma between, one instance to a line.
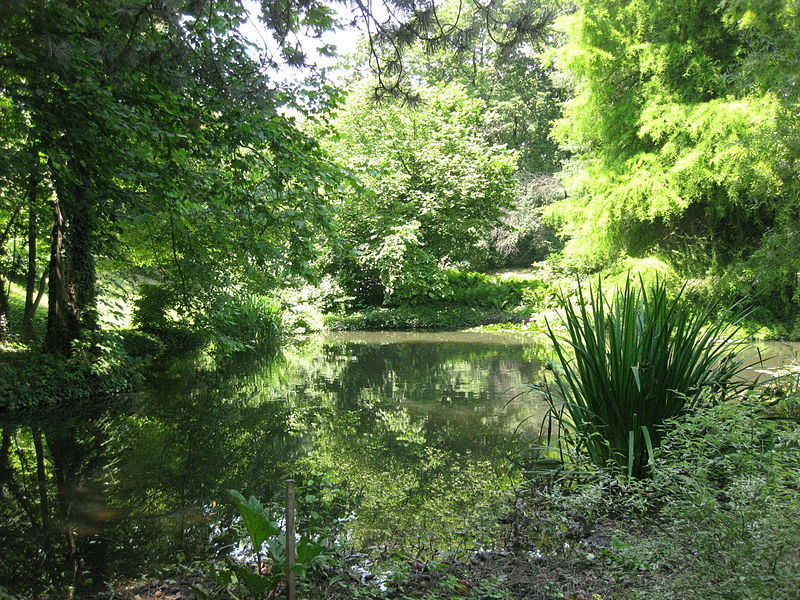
(678,125)
(430,187)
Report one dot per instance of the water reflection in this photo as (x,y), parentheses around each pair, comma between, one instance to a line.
(417,430)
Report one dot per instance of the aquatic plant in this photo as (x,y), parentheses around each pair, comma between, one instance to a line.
(628,363)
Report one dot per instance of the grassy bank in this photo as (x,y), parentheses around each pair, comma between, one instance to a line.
(423,317)
(760,323)
(460,300)
(522,301)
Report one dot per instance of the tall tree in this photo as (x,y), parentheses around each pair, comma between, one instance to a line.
(678,123)
(502,61)
(158,114)
(430,189)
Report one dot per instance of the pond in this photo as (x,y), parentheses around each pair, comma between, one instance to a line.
(405,442)
(409,442)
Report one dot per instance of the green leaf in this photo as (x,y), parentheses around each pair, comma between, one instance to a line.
(257,584)
(259,525)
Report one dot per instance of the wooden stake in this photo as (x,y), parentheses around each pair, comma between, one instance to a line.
(291,591)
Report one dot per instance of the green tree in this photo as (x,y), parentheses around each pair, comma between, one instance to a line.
(498,53)
(164,142)
(683,124)
(502,62)
(431,187)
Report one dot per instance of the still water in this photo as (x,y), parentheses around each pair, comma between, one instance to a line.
(408,442)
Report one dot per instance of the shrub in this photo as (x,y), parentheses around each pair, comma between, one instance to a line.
(409,274)
(98,367)
(727,480)
(138,344)
(151,309)
(405,317)
(156,313)
(718,519)
(237,324)
(489,291)
(628,364)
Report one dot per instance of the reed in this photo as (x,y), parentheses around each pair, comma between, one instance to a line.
(626,364)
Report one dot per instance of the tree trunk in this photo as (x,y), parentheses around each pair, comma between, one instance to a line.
(41,288)
(32,271)
(3,312)
(62,318)
(4,236)
(72,290)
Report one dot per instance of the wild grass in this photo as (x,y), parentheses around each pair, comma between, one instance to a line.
(628,363)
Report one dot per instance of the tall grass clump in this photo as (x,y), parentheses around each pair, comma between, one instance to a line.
(245,322)
(628,363)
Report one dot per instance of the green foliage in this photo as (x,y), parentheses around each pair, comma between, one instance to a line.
(100,366)
(163,145)
(460,299)
(157,311)
(649,270)
(522,237)
(717,519)
(305,305)
(262,529)
(770,276)
(495,54)
(325,294)
(244,323)
(409,274)
(232,323)
(627,365)
(140,345)
(725,487)
(683,128)
(256,519)
(151,309)
(492,57)
(493,292)
(431,188)
(16,307)
(412,317)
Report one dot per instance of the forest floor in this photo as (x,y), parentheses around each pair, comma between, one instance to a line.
(579,571)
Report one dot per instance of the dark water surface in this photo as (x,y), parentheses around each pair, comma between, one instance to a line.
(408,441)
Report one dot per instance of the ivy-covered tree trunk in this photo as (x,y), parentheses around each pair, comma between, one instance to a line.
(73,278)
(3,312)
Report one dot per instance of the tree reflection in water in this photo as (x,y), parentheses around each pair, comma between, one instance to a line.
(413,429)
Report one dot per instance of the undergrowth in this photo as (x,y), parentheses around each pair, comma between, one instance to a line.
(719,518)
(420,317)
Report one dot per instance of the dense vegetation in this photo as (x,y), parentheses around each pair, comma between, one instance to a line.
(682,124)
(162,156)
(180,176)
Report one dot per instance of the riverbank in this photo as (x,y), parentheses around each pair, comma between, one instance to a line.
(525,301)
(424,318)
